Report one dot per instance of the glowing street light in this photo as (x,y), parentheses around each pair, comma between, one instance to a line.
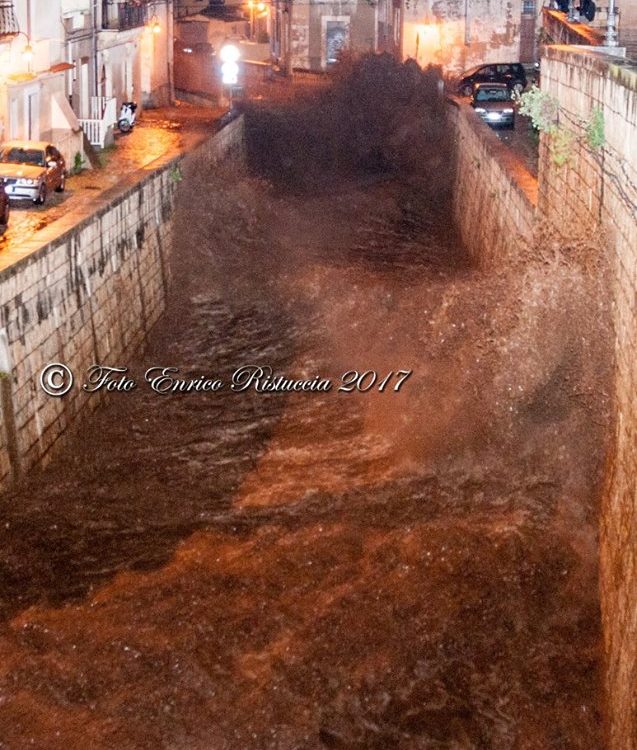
(229,53)
(27,53)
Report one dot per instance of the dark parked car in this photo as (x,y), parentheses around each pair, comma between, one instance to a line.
(510,73)
(4,208)
(492,101)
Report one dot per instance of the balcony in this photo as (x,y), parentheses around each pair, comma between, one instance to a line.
(123,16)
(8,21)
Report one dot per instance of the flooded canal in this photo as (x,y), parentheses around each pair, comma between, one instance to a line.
(409,565)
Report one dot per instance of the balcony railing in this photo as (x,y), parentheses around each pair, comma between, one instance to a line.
(8,21)
(103,116)
(122,16)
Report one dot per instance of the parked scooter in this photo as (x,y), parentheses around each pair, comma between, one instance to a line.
(127,117)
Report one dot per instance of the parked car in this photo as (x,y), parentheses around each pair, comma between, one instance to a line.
(493,102)
(4,208)
(31,169)
(512,74)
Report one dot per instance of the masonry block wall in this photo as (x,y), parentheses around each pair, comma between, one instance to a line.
(458,34)
(88,295)
(494,194)
(595,191)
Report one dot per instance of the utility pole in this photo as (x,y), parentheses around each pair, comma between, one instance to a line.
(288,60)
(610,40)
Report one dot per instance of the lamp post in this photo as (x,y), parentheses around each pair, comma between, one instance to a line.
(610,39)
(251,7)
(288,62)
(229,55)
(27,52)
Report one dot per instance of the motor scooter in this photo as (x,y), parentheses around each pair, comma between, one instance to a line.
(127,117)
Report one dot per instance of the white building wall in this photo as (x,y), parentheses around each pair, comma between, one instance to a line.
(28,86)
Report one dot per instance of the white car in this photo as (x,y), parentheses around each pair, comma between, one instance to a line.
(31,169)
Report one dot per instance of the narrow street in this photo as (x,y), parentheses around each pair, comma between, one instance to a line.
(160,133)
(364,570)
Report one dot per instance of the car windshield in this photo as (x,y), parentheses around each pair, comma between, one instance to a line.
(471,71)
(493,95)
(22,156)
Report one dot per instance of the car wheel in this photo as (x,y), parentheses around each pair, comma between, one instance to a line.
(466,90)
(5,215)
(62,186)
(518,87)
(39,201)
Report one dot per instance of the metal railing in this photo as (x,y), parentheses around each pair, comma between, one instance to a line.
(103,111)
(8,21)
(123,16)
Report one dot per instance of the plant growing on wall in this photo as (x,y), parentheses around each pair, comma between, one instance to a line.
(175,174)
(561,145)
(595,129)
(78,163)
(541,107)
(544,111)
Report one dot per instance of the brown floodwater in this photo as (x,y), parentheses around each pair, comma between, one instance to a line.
(365,570)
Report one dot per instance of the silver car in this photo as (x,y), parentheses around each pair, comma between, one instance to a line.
(31,169)
(494,103)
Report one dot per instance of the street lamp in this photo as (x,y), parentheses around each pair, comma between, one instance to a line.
(251,7)
(27,52)
(229,55)
(154,25)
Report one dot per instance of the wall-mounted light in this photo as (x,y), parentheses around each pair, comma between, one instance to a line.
(27,53)
(27,50)
(154,25)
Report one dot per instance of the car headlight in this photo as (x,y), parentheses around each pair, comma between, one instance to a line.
(27,181)
(508,111)
(481,110)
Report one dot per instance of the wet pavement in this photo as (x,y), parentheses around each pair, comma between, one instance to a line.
(160,133)
(522,139)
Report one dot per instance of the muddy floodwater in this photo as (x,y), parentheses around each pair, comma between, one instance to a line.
(369,569)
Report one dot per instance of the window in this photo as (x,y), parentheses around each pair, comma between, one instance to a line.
(493,95)
(22,156)
(336,39)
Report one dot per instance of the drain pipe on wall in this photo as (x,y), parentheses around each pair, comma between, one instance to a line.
(95,66)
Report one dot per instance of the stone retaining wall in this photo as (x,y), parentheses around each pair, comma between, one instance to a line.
(596,192)
(90,294)
(494,194)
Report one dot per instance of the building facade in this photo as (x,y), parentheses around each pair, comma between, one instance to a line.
(62,60)
(460,34)
(310,34)
(120,49)
(33,70)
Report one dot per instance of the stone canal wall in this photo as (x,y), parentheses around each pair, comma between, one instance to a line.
(595,191)
(88,294)
(494,194)
(586,187)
